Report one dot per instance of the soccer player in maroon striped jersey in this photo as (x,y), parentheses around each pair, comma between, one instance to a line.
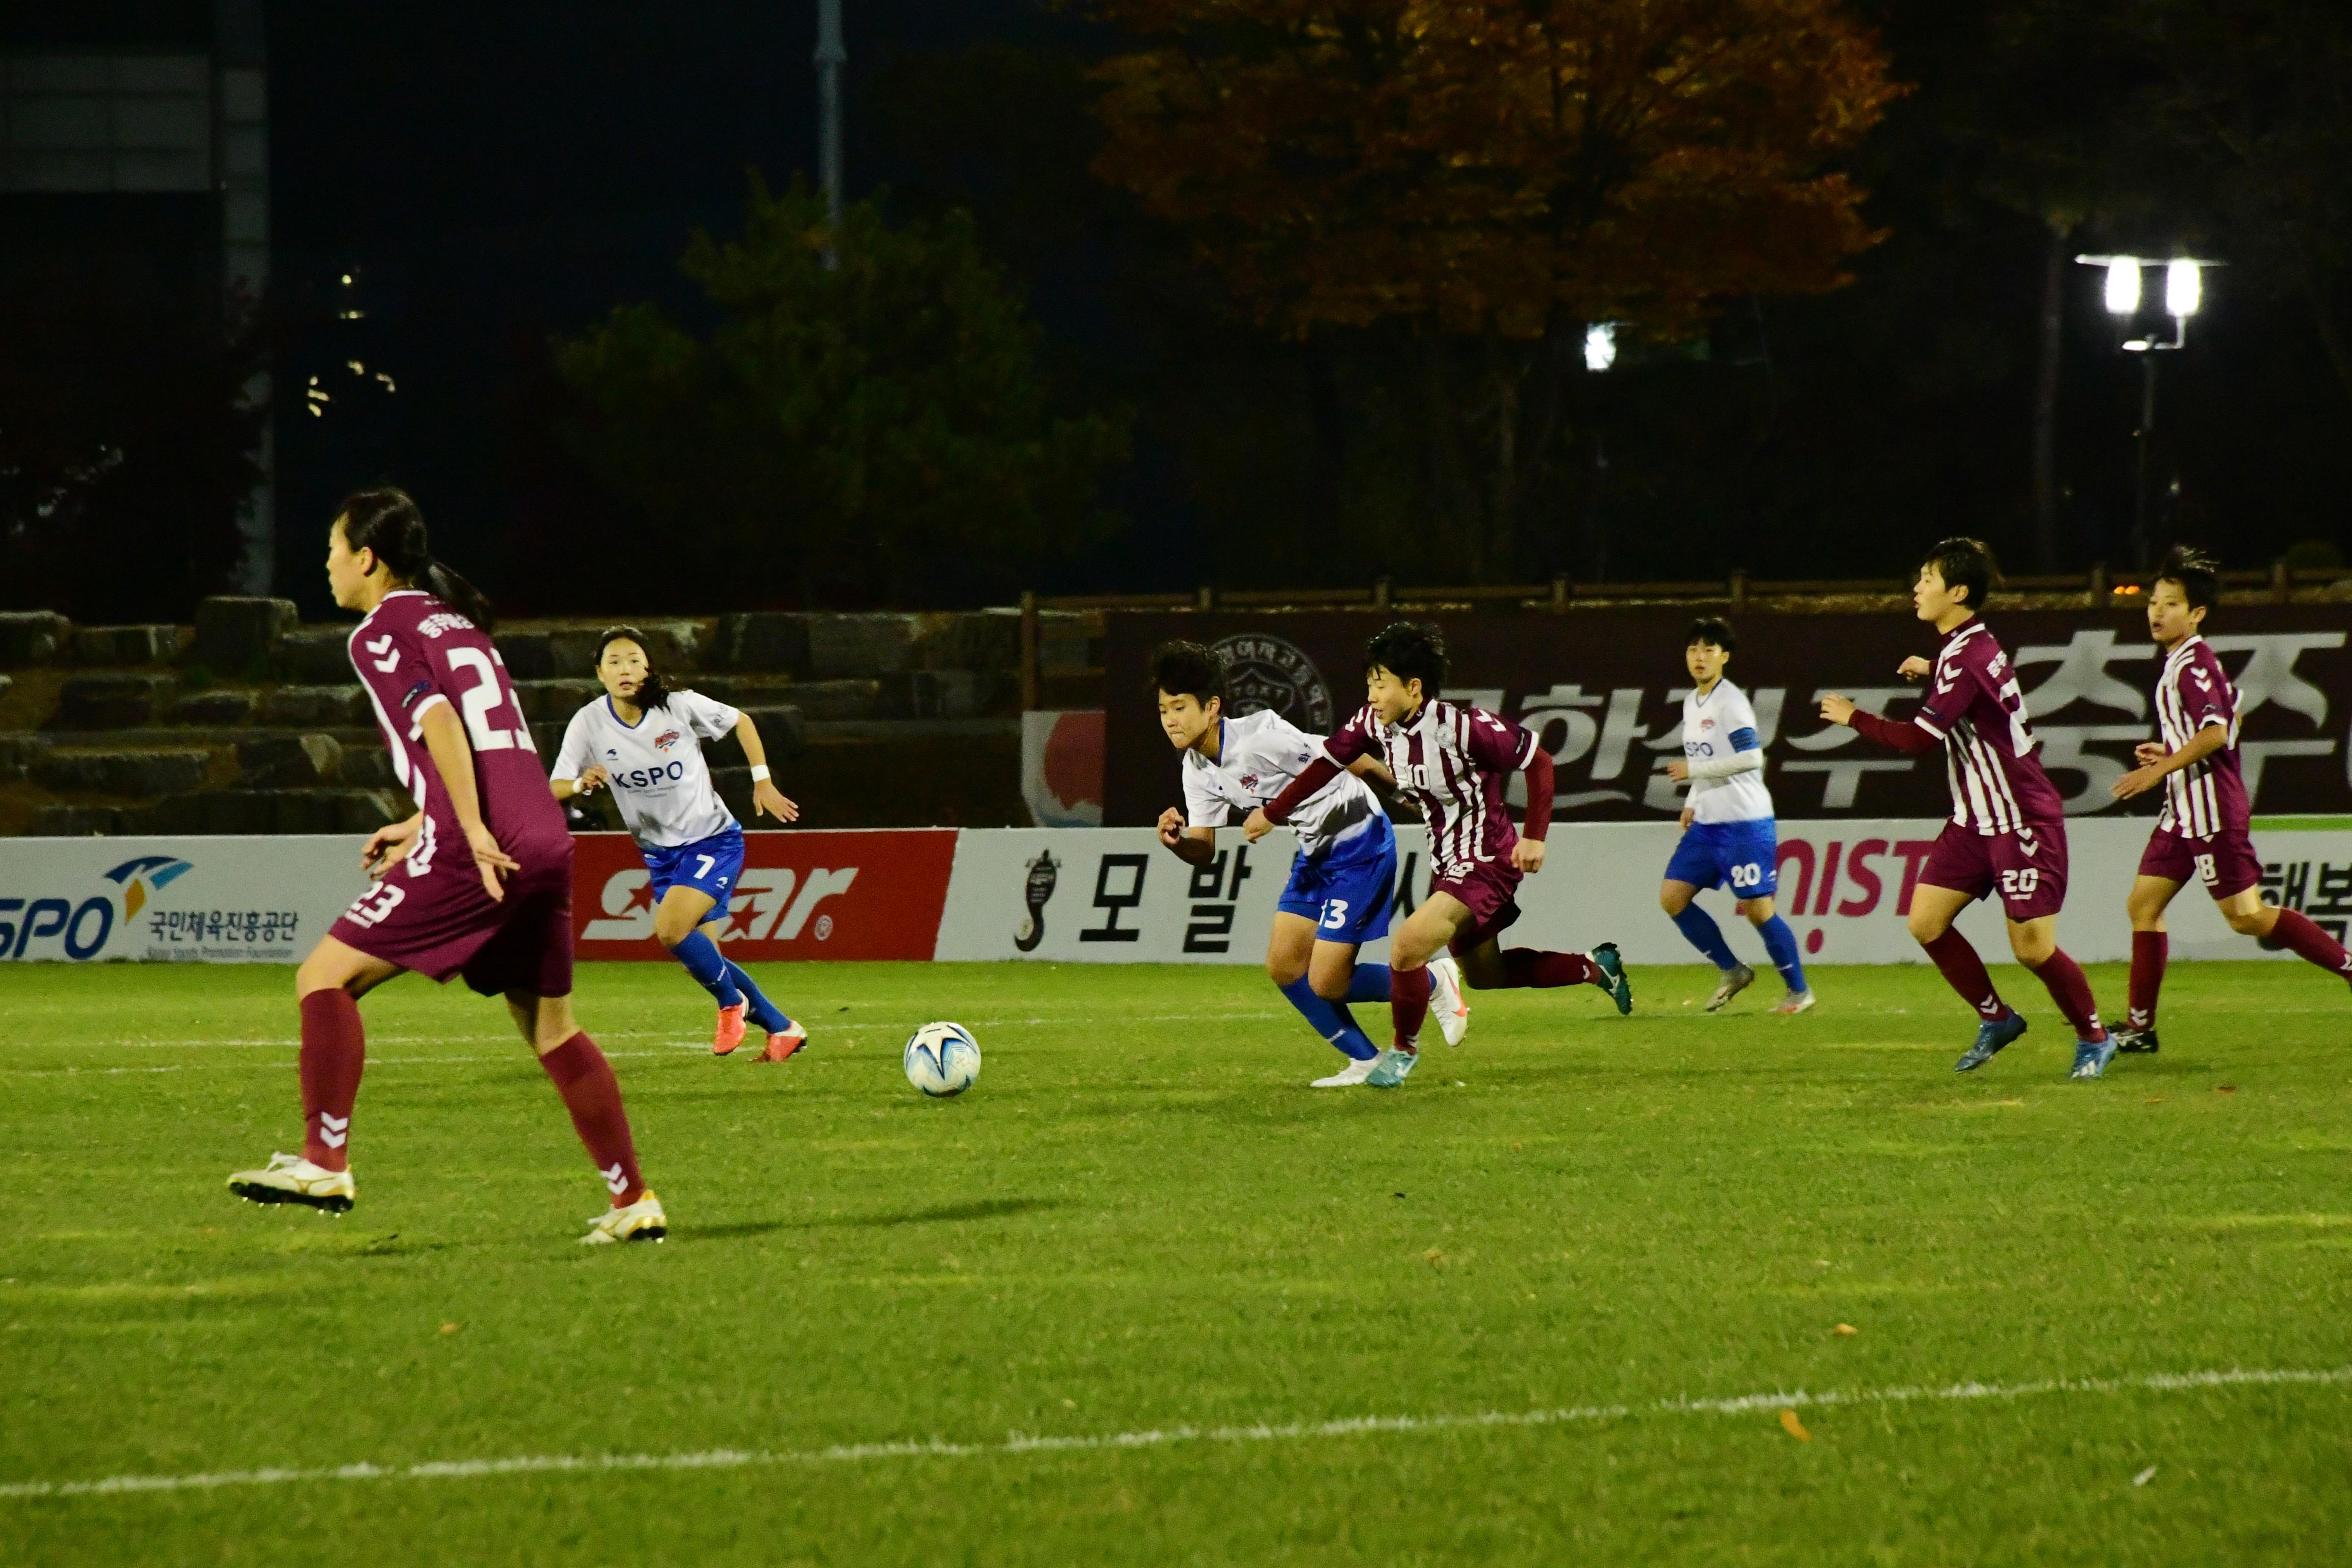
(478,883)
(1454,760)
(2007,831)
(2203,827)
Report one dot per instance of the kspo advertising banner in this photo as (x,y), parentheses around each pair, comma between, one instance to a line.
(1115,896)
(1604,690)
(873,893)
(216,900)
(1103,895)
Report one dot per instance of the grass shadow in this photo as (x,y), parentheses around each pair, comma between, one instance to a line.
(947,1214)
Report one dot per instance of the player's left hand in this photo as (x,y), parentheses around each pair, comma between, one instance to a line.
(1678,771)
(1915,668)
(1837,709)
(767,797)
(388,845)
(2139,781)
(490,860)
(2147,754)
(1256,826)
(1688,814)
(1528,855)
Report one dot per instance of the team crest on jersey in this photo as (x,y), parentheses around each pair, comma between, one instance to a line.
(1267,672)
(1705,725)
(666,740)
(1249,780)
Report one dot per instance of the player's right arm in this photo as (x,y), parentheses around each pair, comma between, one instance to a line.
(1946,701)
(1193,846)
(568,776)
(453,758)
(1341,749)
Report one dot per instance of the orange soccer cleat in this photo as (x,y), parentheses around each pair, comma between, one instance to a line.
(730,1033)
(783,1043)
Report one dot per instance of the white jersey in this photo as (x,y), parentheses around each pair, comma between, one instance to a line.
(1257,756)
(659,779)
(1721,725)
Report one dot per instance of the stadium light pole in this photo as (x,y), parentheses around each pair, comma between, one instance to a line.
(831,55)
(2184,294)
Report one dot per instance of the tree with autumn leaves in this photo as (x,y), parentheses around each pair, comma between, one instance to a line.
(1499,175)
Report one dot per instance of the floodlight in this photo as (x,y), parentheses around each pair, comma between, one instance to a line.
(2183,285)
(1600,345)
(2123,285)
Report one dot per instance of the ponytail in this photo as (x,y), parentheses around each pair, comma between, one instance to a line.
(653,693)
(386,520)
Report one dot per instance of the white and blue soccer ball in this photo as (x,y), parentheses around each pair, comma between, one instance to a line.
(942,1059)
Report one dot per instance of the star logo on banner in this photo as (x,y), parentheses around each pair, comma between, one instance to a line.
(643,899)
(740,921)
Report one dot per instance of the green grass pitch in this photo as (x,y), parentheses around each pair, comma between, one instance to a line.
(1556,1262)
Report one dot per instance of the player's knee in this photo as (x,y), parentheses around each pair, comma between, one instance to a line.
(1284,973)
(670,933)
(1330,987)
(2251,922)
(1758,911)
(1672,899)
(2033,951)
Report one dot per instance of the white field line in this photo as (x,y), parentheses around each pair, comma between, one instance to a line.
(1017,1444)
(821,1028)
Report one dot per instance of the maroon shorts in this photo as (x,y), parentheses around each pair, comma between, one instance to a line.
(2027,868)
(1489,892)
(443,923)
(2225,863)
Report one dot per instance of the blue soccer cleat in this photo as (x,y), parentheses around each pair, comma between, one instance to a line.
(1391,1067)
(1613,972)
(1991,1036)
(2091,1056)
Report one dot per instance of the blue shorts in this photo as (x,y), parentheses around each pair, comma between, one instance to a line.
(1738,855)
(708,866)
(1346,891)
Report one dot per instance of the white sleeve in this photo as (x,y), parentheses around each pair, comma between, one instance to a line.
(574,755)
(708,716)
(1724,767)
(1204,807)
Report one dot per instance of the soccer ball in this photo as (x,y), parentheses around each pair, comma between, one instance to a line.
(942,1059)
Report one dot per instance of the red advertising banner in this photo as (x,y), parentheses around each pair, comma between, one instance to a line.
(1603,689)
(859,894)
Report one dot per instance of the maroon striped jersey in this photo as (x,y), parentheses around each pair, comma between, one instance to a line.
(2194,691)
(1455,760)
(414,651)
(1973,706)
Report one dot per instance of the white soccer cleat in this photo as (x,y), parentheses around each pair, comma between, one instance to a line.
(639,1221)
(1445,998)
(1347,1077)
(291,1179)
(1736,979)
(1795,1002)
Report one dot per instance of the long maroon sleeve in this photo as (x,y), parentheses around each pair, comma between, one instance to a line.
(1539,787)
(1318,773)
(1908,739)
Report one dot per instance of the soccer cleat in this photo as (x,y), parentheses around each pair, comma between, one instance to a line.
(1736,979)
(1991,1036)
(1613,972)
(1390,1068)
(730,1033)
(783,1042)
(639,1221)
(1795,1002)
(291,1179)
(2091,1056)
(1355,1072)
(1445,998)
(2134,1042)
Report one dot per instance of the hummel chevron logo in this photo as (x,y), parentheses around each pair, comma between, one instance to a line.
(383,645)
(618,1182)
(334,1131)
(2025,841)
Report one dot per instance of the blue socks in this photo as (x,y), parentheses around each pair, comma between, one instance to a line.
(1331,1019)
(1369,983)
(1782,943)
(710,971)
(764,1013)
(1708,937)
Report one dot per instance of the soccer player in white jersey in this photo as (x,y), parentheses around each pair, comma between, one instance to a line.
(644,741)
(1343,878)
(2204,828)
(1728,835)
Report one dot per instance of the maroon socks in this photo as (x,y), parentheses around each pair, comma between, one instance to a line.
(1526,966)
(334,1050)
(2071,989)
(1964,971)
(2296,933)
(592,1095)
(2149,949)
(1407,1004)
